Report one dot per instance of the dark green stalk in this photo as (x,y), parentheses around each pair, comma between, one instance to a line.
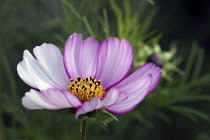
(84,130)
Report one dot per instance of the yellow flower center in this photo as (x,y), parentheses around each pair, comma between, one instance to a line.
(86,89)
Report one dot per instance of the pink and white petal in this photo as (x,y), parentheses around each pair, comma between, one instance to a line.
(88,106)
(73,100)
(80,57)
(155,81)
(132,100)
(52,99)
(59,98)
(115,61)
(131,83)
(122,96)
(96,103)
(71,55)
(34,98)
(88,57)
(50,60)
(110,97)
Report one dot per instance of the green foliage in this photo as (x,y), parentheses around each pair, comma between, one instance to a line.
(179,90)
(182,89)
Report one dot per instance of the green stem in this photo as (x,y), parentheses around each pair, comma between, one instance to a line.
(84,130)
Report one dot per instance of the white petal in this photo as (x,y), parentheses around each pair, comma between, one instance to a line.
(36,76)
(23,73)
(29,105)
(50,60)
(46,71)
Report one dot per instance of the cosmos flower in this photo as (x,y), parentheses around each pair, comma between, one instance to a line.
(87,76)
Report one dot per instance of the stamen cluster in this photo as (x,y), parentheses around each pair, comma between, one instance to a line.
(86,89)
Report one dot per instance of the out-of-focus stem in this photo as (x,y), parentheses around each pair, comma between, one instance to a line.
(1,126)
(84,130)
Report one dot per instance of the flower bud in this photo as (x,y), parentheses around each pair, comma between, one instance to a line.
(157,59)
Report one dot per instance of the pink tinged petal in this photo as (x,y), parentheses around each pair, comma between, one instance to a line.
(88,106)
(73,100)
(59,98)
(46,71)
(115,61)
(88,57)
(96,103)
(71,55)
(122,96)
(80,57)
(131,83)
(34,98)
(51,99)
(111,97)
(155,80)
(124,105)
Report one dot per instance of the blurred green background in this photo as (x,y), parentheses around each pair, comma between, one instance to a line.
(175,31)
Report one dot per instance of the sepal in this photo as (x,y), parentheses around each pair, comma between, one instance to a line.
(94,114)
